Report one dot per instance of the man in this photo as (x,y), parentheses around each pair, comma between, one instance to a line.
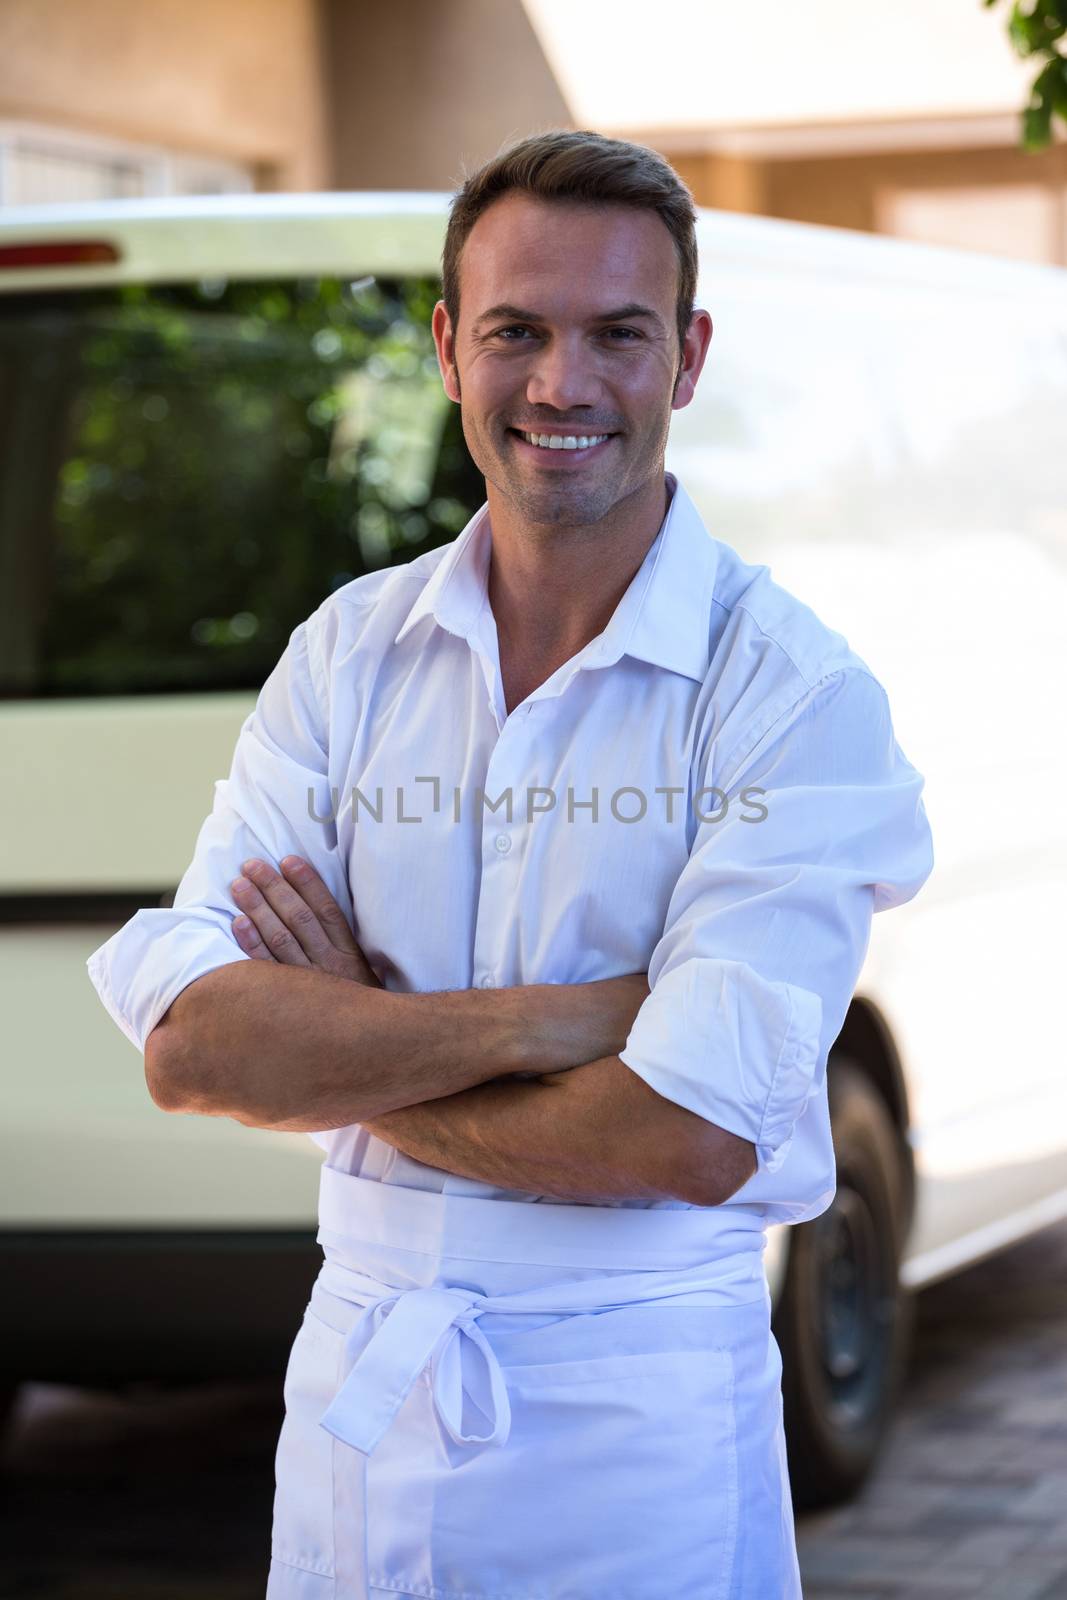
(566,1058)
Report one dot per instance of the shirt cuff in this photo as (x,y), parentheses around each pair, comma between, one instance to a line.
(140,971)
(738,1049)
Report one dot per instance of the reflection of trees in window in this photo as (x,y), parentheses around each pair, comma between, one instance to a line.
(187,470)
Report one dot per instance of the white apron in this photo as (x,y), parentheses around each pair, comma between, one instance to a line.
(503,1400)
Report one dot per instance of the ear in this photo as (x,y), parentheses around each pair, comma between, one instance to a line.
(444,343)
(697,340)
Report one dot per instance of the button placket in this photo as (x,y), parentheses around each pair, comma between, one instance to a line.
(495,910)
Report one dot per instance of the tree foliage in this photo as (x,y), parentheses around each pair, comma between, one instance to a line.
(1039,31)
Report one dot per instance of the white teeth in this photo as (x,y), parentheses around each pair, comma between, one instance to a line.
(569,441)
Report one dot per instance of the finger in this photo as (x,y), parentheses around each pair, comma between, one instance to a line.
(279,929)
(312,888)
(247,936)
(292,909)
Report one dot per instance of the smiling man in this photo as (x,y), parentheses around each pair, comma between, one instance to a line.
(563,1043)
(567,367)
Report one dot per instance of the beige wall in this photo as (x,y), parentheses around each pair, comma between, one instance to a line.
(233,78)
(420,89)
(842,191)
(728,183)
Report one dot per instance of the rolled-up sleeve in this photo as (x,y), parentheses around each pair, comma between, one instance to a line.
(769,923)
(262,809)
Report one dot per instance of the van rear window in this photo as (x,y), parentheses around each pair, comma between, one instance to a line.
(187,470)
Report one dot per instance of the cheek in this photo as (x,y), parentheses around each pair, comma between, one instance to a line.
(648,404)
(491,405)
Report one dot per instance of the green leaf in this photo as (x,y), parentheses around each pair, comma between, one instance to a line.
(1056,89)
(1037,29)
(1037,133)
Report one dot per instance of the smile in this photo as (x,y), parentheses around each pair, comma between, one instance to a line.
(556,445)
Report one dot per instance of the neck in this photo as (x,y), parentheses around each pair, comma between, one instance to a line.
(552,588)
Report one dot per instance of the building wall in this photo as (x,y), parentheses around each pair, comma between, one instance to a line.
(239,79)
(844,190)
(421,90)
(726,183)
(1001,199)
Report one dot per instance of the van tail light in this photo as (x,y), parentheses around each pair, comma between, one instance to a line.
(57,253)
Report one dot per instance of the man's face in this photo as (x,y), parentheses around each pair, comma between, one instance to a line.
(593,352)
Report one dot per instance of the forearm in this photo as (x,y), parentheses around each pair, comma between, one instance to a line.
(291,1048)
(596,1134)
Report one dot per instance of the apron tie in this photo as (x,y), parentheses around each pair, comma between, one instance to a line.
(408,1329)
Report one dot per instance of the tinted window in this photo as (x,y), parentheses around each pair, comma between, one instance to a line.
(187,470)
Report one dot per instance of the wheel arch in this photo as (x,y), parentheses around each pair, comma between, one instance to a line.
(866,1039)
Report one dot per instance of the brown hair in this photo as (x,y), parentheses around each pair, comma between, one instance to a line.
(578,165)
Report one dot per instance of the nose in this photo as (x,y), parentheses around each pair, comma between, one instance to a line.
(563,375)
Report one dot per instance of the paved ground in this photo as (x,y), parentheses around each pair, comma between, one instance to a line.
(970,1497)
(156,1497)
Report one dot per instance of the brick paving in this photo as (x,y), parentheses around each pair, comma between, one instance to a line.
(970,1495)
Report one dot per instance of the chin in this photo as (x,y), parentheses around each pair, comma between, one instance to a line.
(578,509)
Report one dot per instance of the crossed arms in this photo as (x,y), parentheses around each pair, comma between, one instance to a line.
(531,1087)
(286,1041)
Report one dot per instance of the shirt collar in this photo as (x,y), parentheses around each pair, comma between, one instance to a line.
(662,618)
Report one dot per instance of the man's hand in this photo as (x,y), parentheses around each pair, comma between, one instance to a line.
(292,918)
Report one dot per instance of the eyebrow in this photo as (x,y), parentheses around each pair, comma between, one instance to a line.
(627,313)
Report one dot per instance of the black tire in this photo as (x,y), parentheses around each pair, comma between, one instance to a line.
(9,1393)
(843,1322)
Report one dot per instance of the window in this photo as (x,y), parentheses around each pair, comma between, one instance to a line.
(187,470)
(40,165)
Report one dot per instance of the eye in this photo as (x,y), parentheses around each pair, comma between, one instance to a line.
(520,327)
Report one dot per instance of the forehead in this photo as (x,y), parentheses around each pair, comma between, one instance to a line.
(526,250)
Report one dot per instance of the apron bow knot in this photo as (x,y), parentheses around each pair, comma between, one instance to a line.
(407,1329)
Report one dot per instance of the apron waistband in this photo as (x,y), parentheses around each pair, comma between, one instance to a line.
(655,1256)
(602,1238)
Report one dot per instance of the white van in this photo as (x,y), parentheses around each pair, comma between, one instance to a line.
(215,411)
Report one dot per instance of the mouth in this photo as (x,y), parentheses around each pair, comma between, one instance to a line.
(561,449)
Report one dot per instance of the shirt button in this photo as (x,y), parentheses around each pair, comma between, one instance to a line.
(487,982)
(503,843)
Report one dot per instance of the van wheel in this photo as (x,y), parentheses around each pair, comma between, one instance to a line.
(9,1392)
(843,1322)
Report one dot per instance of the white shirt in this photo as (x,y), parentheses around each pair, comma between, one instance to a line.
(751,912)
